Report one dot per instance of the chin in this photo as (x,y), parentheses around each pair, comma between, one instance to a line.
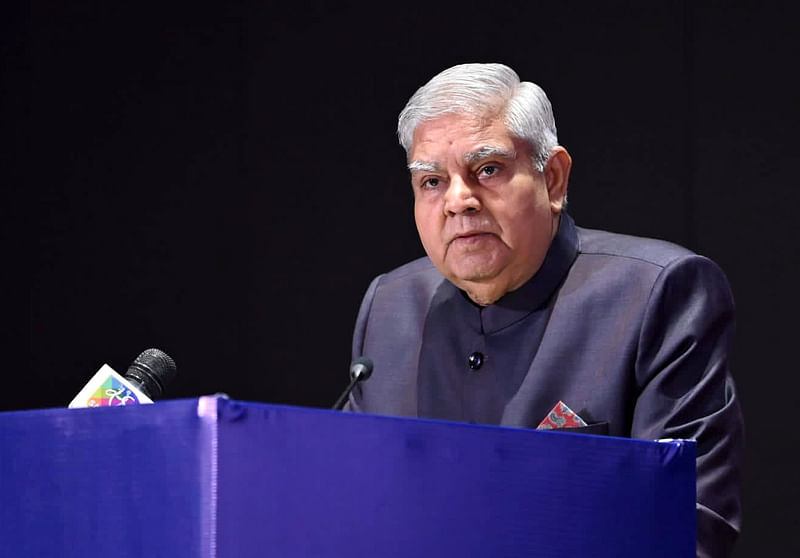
(476,271)
(472,276)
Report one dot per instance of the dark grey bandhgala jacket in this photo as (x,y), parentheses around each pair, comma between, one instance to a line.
(633,334)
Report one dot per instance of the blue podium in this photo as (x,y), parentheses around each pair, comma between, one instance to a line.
(217,478)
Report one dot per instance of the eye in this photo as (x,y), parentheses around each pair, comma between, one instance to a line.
(430,183)
(488,170)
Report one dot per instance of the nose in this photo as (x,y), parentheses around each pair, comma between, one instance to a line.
(460,197)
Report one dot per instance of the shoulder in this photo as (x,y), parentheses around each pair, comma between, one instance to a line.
(620,247)
(416,268)
(409,285)
(398,302)
(415,274)
(616,266)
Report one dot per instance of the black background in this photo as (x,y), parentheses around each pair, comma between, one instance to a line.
(222,180)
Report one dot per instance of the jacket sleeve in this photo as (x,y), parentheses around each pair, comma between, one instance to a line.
(359,335)
(685,389)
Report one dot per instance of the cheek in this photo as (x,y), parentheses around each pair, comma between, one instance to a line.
(419,218)
(538,229)
(428,227)
(529,223)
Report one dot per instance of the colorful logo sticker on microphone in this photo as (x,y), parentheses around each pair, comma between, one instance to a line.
(112,393)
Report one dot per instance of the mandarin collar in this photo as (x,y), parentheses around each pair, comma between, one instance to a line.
(518,304)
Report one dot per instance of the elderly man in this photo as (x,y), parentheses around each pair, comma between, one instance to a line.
(515,308)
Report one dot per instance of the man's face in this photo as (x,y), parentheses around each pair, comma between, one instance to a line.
(484,213)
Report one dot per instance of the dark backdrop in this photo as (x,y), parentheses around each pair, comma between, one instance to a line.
(222,182)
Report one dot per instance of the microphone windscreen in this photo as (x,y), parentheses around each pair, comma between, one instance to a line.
(361,368)
(153,369)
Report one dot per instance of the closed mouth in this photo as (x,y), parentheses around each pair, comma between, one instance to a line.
(475,235)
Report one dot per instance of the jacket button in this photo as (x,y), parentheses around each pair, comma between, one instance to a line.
(475,360)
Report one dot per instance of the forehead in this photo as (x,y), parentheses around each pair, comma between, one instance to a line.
(456,134)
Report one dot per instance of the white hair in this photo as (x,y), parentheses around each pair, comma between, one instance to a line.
(484,90)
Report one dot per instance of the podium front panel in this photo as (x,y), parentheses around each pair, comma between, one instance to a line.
(305,482)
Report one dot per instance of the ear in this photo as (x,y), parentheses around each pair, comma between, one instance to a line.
(556,175)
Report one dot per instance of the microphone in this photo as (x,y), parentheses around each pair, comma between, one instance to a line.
(151,371)
(144,381)
(360,369)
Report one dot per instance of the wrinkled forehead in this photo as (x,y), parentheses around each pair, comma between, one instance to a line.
(465,136)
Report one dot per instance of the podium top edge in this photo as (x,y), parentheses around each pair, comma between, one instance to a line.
(226,403)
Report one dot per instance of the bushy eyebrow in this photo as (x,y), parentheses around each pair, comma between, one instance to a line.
(470,158)
(422,166)
(487,152)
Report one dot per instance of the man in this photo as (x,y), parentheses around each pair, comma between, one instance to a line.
(515,308)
